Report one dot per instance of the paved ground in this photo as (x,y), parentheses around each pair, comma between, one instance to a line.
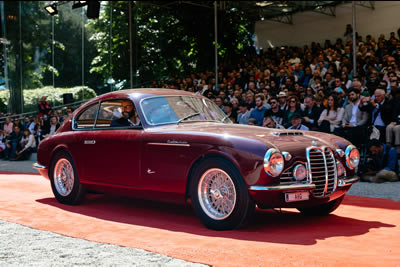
(30,247)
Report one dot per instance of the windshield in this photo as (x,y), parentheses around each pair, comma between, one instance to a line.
(179,109)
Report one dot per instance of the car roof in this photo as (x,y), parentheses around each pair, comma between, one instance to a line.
(138,94)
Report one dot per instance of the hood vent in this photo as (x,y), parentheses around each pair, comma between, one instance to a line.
(287,133)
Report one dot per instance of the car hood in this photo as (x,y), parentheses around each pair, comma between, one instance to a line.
(284,140)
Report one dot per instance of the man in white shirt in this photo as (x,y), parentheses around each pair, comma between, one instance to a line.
(354,120)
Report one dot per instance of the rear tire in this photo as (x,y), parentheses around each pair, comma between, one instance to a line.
(323,209)
(64,180)
(219,195)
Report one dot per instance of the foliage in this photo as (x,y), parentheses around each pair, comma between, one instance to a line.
(167,42)
(54,96)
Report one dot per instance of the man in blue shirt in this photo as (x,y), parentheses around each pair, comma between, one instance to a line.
(383,165)
(259,111)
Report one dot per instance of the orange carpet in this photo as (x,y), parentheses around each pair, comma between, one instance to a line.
(362,232)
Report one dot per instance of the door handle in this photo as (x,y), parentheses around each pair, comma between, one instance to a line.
(89,142)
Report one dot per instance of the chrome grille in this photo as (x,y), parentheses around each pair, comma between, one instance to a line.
(287,176)
(322,169)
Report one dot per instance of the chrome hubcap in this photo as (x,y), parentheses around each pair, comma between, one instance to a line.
(217,194)
(63,177)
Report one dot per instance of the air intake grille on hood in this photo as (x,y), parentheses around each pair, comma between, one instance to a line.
(287,133)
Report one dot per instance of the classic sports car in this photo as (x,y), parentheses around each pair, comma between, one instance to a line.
(185,147)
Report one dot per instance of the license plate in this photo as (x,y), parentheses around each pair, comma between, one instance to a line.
(297,196)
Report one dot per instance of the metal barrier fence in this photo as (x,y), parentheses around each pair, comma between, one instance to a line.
(32,113)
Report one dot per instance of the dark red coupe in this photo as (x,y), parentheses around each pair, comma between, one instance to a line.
(173,145)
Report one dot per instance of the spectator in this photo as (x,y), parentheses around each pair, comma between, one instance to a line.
(220,103)
(43,107)
(393,129)
(44,127)
(27,146)
(27,122)
(2,143)
(332,116)
(252,122)
(60,116)
(229,112)
(296,123)
(244,114)
(382,112)
(18,122)
(250,100)
(33,124)
(294,107)
(282,101)
(311,113)
(382,166)
(354,120)
(274,112)
(269,122)
(12,143)
(8,127)
(53,127)
(259,111)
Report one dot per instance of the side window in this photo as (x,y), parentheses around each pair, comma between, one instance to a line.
(87,117)
(109,110)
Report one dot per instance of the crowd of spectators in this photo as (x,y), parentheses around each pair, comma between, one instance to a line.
(308,88)
(312,88)
(20,136)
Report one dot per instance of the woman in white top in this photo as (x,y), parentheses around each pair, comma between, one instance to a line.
(27,145)
(332,116)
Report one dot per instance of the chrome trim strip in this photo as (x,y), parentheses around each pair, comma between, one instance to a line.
(282,187)
(89,142)
(348,181)
(326,172)
(39,166)
(333,160)
(168,144)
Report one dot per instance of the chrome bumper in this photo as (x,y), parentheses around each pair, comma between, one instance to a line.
(341,183)
(37,166)
(282,187)
(348,181)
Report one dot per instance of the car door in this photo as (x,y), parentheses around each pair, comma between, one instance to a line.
(114,151)
(83,125)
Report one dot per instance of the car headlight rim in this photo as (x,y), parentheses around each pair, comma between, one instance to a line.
(352,157)
(297,175)
(273,162)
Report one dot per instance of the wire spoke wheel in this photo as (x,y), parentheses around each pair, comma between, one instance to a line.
(217,194)
(63,177)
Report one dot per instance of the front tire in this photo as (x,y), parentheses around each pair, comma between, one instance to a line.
(64,180)
(219,195)
(323,209)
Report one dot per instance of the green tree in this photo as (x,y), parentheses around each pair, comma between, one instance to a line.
(166,42)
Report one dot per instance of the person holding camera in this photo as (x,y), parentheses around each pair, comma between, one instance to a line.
(382,112)
(381,165)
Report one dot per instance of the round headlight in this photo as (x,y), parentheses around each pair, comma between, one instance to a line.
(273,162)
(299,172)
(341,171)
(352,157)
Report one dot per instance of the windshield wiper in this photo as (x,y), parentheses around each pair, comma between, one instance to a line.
(188,117)
(224,118)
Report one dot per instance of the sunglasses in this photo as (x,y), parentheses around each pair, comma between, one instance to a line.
(292,101)
(274,102)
